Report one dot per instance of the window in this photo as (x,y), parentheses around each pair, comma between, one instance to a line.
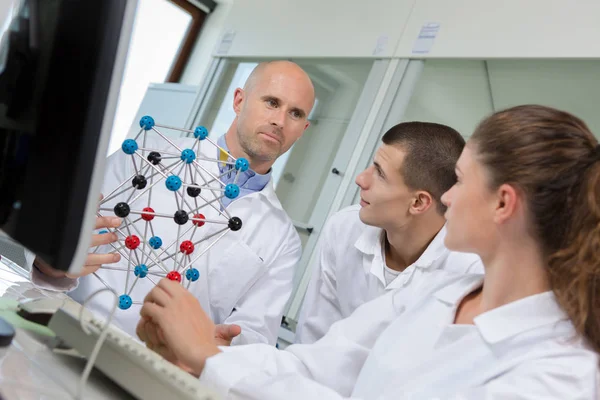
(164,33)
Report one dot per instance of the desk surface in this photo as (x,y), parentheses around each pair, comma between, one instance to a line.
(28,369)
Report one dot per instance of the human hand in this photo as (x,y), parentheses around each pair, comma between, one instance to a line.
(93,261)
(224,333)
(174,325)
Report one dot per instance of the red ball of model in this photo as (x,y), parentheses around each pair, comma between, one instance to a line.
(174,276)
(146,216)
(186,247)
(198,217)
(132,242)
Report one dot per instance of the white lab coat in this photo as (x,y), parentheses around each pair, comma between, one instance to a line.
(396,347)
(245,278)
(349,271)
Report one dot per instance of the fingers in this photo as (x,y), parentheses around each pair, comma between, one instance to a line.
(158,296)
(227,332)
(173,288)
(234,330)
(107,222)
(140,330)
(100,259)
(152,311)
(152,333)
(103,238)
(87,269)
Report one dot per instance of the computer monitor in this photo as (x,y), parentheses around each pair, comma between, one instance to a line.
(61,66)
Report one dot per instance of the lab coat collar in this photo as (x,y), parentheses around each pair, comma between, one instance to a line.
(269,194)
(434,251)
(371,240)
(514,318)
(370,243)
(510,319)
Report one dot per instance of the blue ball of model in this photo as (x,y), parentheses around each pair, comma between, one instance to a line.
(155,242)
(188,156)
(129,146)
(173,183)
(201,133)
(242,164)
(140,270)
(147,122)
(124,302)
(192,274)
(232,191)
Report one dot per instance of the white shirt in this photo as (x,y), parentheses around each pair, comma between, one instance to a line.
(350,271)
(245,278)
(397,348)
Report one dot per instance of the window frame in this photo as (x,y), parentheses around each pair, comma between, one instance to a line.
(187,44)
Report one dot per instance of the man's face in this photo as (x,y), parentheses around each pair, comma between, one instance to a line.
(273,113)
(384,197)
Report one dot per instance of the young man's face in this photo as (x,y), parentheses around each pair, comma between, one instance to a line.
(385,198)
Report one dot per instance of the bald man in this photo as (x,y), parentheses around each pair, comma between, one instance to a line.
(246,277)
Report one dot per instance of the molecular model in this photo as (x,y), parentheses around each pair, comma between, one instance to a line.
(195,188)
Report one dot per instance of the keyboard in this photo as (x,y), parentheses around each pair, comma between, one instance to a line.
(140,371)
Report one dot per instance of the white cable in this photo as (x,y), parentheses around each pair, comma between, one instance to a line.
(92,358)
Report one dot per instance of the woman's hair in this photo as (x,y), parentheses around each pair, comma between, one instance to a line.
(554,159)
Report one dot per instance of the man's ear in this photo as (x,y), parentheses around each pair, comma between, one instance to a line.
(507,202)
(238,99)
(421,202)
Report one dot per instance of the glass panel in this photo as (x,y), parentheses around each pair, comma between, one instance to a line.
(299,175)
(159,28)
(459,93)
(451,92)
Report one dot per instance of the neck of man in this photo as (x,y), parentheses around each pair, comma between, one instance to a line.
(233,145)
(514,269)
(405,244)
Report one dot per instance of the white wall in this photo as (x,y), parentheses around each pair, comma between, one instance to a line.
(316,28)
(488,29)
(205,46)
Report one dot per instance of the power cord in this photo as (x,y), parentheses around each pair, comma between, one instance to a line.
(90,363)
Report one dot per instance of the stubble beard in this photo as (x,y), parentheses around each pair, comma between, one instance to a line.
(251,145)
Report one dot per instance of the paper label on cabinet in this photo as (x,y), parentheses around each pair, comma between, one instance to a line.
(381,45)
(426,38)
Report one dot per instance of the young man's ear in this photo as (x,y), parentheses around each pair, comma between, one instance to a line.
(421,202)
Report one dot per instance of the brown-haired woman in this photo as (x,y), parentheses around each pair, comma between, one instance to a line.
(527,201)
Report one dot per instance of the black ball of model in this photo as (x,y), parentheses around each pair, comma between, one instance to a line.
(235,224)
(154,157)
(139,182)
(121,210)
(193,191)
(181,217)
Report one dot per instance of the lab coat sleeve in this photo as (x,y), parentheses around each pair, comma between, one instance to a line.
(542,379)
(326,369)
(573,376)
(259,311)
(116,168)
(320,308)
